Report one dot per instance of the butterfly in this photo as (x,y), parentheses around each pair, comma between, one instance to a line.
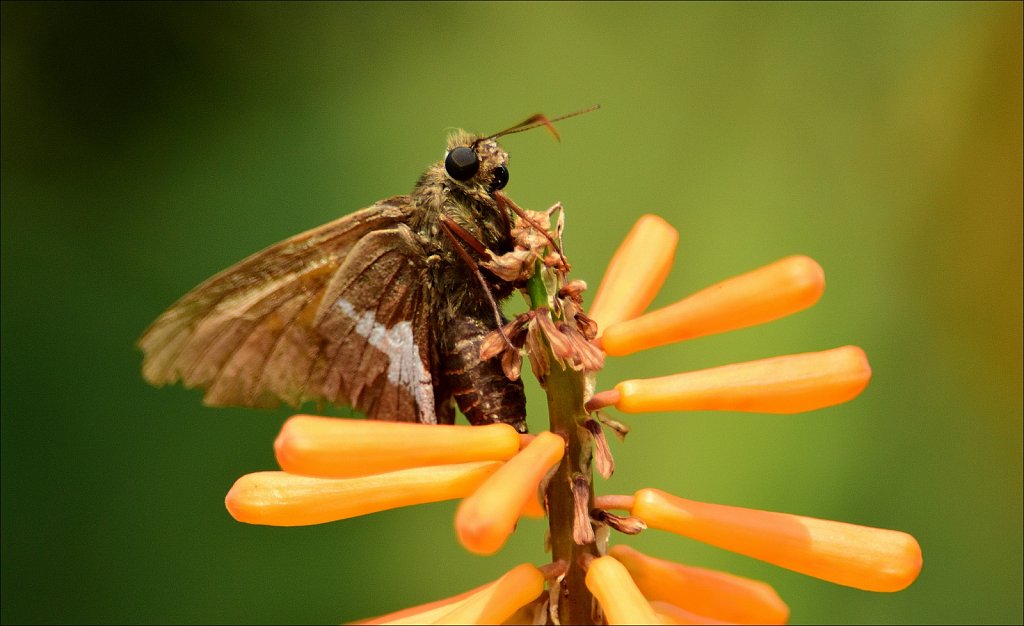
(383,310)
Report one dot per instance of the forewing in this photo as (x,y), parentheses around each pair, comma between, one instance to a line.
(264,330)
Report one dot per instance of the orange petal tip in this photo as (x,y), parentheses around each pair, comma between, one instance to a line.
(500,600)
(765,294)
(717,596)
(872,559)
(283,499)
(618,595)
(669,613)
(636,272)
(784,384)
(336,447)
(424,613)
(485,519)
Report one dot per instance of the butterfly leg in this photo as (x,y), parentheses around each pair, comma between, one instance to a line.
(504,201)
(460,236)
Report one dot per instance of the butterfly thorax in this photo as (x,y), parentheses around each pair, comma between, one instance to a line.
(472,207)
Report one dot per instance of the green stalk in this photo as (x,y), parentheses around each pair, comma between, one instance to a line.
(565,389)
(536,288)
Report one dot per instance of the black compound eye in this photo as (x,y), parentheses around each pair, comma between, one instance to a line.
(461,163)
(500,178)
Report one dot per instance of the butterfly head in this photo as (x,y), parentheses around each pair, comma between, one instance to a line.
(477,164)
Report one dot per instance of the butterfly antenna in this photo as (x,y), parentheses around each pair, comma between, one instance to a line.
(539,119)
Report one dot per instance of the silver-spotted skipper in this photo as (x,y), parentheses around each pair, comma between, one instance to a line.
(383,310)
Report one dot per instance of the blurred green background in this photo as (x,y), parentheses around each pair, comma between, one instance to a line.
(147,146)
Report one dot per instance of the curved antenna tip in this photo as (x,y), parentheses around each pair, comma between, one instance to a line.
(539,119)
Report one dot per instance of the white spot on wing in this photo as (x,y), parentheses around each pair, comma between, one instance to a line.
(405,367)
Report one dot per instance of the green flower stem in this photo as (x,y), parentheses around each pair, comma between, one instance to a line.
(565,409)
(565,391)
(536,288)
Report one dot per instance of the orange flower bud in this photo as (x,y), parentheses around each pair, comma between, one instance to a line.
(613,502)
(332,447)
(716,595)
(534,508)
(617,594)
(773,291)
(486,519)
(671,614)
(424,613)
(784,384)
(282,499)
(499,600)
(872,559)
(635,273)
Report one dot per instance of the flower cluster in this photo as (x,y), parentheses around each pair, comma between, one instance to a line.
(339,468)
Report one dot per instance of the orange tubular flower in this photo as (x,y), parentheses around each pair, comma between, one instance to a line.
(671,614)
(425,613)
(486,519)
(534,508)
(341,468)
(636,272)
(498,601)
(704,592)
(760,296)
(785,384)
(330,447)
(617,594)
(872,559)
(283,499)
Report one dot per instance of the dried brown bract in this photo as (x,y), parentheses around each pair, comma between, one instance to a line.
(603,460)
(565,329)
(623,524)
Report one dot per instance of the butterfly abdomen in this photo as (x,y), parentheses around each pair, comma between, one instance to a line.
(480,388)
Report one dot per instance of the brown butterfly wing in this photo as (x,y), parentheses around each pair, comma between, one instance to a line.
(335,314)
(376,320)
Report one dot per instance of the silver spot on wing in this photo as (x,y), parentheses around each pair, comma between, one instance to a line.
(405,367)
